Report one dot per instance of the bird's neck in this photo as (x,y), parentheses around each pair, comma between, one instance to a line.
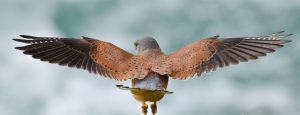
(150,52)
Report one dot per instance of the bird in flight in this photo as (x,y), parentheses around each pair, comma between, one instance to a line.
(149,69)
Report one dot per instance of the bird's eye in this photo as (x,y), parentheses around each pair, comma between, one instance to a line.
(135,44)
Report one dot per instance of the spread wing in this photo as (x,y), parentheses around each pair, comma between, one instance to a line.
(96,56)
(209,54)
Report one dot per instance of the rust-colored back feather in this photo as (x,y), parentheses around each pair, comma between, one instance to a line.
(96,56)
(187,61)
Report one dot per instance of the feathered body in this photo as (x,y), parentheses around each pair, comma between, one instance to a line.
(150,68)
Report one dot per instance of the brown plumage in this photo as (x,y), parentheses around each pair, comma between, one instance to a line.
(150,65)
(208,54)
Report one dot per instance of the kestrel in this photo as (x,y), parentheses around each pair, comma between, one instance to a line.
(149,69)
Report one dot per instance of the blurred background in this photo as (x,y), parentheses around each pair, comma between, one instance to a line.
(268,86)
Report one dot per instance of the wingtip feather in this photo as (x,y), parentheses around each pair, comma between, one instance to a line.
(20,40)
(280,32)
(287,41)
(15,39)
(27,36)
(19,48)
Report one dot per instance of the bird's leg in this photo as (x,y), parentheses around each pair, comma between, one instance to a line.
(144,108)
(153,108)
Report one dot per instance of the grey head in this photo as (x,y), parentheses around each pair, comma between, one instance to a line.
(145,44)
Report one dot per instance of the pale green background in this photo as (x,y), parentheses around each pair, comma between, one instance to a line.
(269,86)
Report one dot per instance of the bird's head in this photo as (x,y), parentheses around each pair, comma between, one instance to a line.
(145,43)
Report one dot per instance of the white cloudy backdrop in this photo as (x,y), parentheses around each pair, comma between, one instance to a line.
(269,86)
